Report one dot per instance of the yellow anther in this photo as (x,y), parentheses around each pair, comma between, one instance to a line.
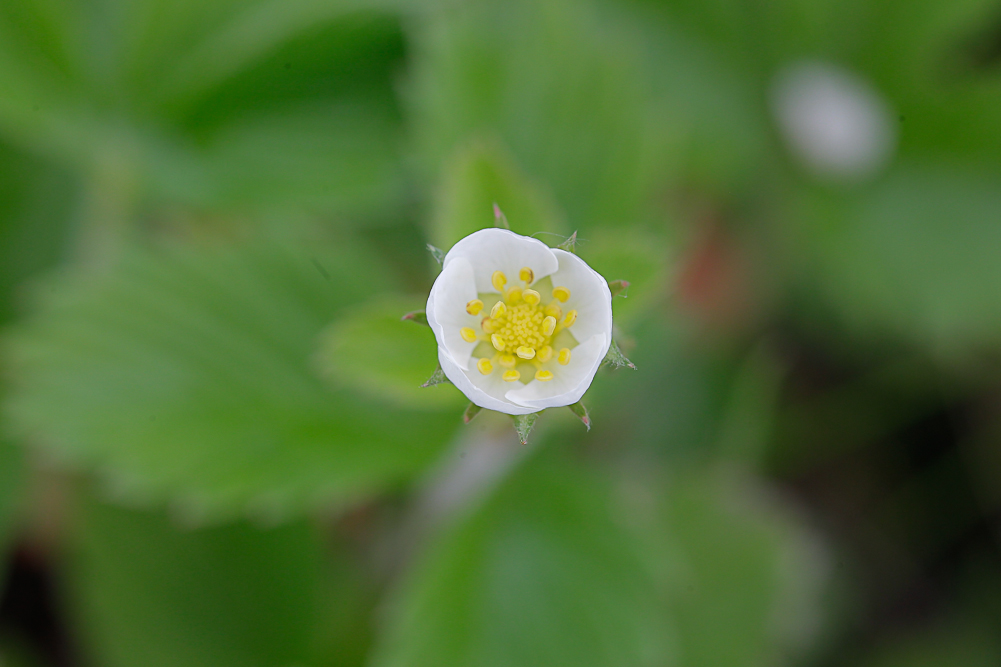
(511,376)
(474,307)
(488,325)
(514,295)
(553,310)
(564,356)
(570,318)
(543,376)
(545,354)
(507,360)
(484,366)
(498,280)
(549,325)
(467,334)
(526,275)
(498,310)
(497,342)
(526,352)
(531,297)
(561,293)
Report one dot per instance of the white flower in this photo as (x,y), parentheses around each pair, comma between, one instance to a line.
(520,326)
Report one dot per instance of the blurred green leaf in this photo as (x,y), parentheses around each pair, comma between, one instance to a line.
(640,258)
(373,350)
(146,592)
(915,257)
(35,205)
(556,82)
(957,644)
(478,176)
(245,104)
(12,477)
(746,570)
(191,375)
(539,575)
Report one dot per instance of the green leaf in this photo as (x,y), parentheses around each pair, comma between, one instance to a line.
(480,176)
(437,378)
(914,258)
(632,255)
(471,411)
(524,424)
(743,569)
(417,317)
(616,359)
(437,253)
(12,480)
(581,413)
(372,350)
(35,213)
(191,375)
(541,574)
(145,591)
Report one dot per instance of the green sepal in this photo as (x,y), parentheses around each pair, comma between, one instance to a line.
(500,220)
(615,358)
(417,317)
(523,424)
(437,253)
(570,245)
(617,287)
(581,412)
(471,411)
(438,377)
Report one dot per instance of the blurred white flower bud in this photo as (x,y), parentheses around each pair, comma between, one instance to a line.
(833,121)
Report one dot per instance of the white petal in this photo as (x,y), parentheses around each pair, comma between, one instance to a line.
(486,391)
(589,296)
(446,309)
(569,382)
(490,250)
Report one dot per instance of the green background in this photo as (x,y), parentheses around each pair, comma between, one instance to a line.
(213,445)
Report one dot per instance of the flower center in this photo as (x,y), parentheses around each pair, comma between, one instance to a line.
(520,326)
(520,329)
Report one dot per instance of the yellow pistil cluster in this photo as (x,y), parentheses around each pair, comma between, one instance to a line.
(520,328)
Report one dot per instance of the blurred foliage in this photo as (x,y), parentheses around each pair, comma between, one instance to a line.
(191,375)
(213,214)
(149,592)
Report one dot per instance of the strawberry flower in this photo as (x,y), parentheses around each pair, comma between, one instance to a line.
(520,326)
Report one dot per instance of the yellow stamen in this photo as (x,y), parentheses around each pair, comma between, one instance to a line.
(474,307)
(498,280)
(511,376)
(543,376)
(498,310)
(514,295)
(467,334)
(549,325)
(570,319)
(532,297)
(488,325)
(553,310)
(484,366)
(526,352)
(526,275)
(497,342)
(561,293)
(564,356)
(545,354)
(507,360)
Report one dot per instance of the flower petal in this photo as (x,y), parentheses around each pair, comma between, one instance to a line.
(486,391)
(569,382)
(446,309)
(589,296)
(490,250)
